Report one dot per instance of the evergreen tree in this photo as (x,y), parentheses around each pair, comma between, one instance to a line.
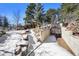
(68,11)
(5,22)
(29,12)
(0,22)
(50,13)
(39,13)
(35,13)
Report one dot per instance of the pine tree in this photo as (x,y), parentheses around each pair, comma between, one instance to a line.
(39,13)
(5,22)
(67,11)
(0,22)
(29,12)
(50,13)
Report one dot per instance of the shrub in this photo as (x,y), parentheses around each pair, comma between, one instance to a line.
(2,33)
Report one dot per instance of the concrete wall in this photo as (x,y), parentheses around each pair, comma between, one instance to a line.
(63,44)
(72,41)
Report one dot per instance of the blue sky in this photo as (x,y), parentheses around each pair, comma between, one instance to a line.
(8,9)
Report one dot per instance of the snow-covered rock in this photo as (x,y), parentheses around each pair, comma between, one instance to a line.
(9,45)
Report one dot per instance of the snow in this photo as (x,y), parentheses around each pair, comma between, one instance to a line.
(11,39)
(33,38)
(51,48)
(48,48)
(9,45)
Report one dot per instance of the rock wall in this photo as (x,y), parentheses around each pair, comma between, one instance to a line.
(42,32)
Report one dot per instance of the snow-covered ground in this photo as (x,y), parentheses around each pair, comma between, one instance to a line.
(9,41)
(51,48)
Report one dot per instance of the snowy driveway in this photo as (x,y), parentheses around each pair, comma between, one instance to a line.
(51,48)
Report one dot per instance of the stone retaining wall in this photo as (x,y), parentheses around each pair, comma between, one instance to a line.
(42,32)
